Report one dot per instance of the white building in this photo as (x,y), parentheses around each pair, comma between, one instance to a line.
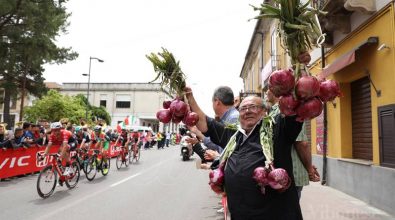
(140,100)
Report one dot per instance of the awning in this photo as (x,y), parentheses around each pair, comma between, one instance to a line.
(346,59)
(266,71)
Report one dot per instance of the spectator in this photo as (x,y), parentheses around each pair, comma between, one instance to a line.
(168,137)
(15,142)
(223,100)
(244,153)
(4,134)
(303,169)
(28,136)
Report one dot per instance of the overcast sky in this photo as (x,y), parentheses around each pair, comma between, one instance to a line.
(209,37)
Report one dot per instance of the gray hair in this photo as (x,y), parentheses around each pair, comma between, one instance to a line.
(224,94)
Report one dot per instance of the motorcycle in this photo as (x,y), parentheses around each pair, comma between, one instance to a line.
(185,151)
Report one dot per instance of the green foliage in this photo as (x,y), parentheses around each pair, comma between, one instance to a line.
(298,27)
(28,31)
(168,71)
(55,106)
(100,113)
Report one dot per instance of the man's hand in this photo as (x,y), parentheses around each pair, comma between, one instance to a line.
(211,155)
(204,166)
(187,90)
(314,176)
(192,141)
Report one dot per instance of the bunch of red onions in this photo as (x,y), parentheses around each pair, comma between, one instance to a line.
(177,111)
(217,178)
(304,96)
(276,178)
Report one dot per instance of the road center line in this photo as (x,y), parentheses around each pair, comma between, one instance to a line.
(77,201)
(124,180)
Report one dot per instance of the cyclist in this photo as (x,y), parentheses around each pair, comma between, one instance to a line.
(135,138)
(83,137)
(101,141)
(62,137)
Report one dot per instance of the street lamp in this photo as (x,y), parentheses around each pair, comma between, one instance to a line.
(89,82)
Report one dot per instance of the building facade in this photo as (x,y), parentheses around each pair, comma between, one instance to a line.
(357,131)
(136,101)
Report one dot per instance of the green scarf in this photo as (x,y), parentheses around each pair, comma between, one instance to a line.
(266,140)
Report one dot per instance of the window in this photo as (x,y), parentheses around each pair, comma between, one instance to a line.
(122,101)
(122,104)
(103,103)
(273,50)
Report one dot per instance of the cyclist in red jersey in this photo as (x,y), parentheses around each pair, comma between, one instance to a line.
(62,137)
(135,138)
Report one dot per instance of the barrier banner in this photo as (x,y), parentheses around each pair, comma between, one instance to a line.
(22,161)
(114,149)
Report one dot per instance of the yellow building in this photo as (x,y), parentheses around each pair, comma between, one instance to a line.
(360,131)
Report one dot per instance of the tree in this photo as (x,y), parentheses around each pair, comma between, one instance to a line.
(95,113)
(55,106)
(28,29)
(100,113)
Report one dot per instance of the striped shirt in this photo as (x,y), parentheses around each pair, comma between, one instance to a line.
(300,173)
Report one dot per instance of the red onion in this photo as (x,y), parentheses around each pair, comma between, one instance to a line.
(279,179)
(217,189)
(260,175)
(329,90)
(176,119)
(166,104)
(191,119)
(164,115)
(217,176)
(307,87)
(304,58)
(288,105)
(281,82)
(309,109)
(178,108)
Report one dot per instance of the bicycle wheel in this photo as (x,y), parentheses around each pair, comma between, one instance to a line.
(91,168)
(105,166)
(46,182)
(118,162)
(136,156)
(127,158)
(72,181)
(130,152)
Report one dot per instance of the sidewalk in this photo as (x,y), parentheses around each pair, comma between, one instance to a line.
(325,203)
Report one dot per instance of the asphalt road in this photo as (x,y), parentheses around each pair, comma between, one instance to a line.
(160,186)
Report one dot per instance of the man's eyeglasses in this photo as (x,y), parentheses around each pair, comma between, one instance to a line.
(251,108)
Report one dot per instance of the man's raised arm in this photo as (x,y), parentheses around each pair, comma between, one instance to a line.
(202,124)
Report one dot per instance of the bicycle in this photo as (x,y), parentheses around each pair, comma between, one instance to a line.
(94,165)
(123,157)
(134,154)
(82,157)
(49,175)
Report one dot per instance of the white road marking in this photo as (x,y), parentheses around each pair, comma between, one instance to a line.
(124,180)
(77,201)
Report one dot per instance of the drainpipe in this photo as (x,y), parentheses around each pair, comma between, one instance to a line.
(324,148)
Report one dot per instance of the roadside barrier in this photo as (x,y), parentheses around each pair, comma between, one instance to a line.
(24,161)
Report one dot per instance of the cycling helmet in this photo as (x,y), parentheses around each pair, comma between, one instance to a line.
(97,128)
(77,129)
(56,125)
